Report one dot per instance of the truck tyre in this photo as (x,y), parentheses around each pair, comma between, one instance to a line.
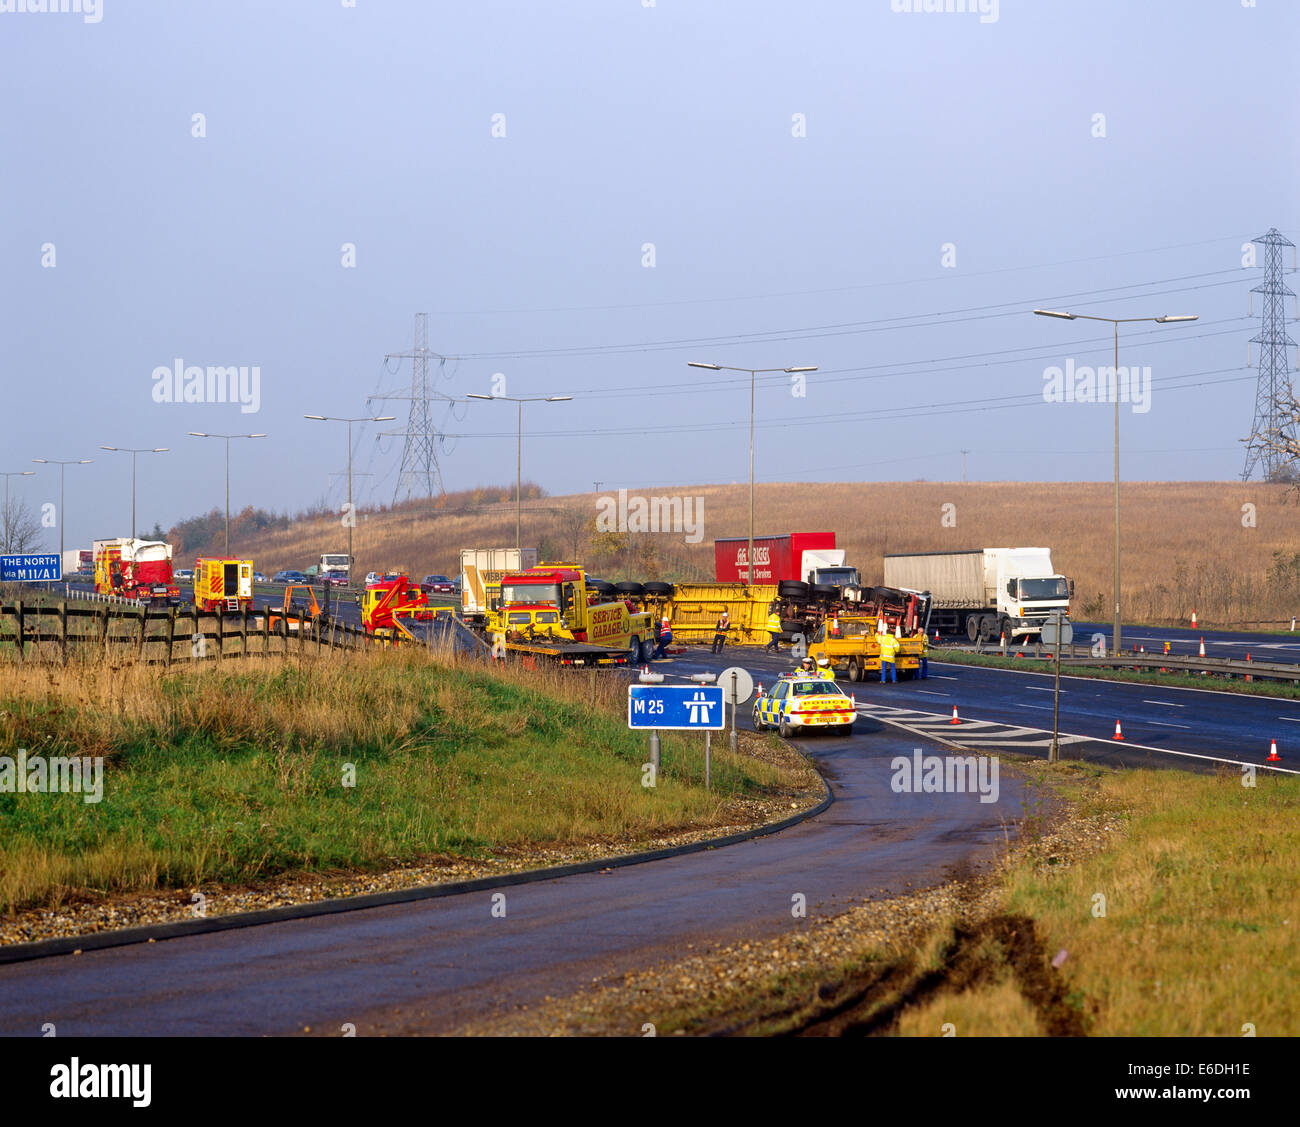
(792,589)
(1005,627)
(987,626)
(972,628)
(634,654)
(647,651)
(601,586)
(657,588)
(824,591)
(626,587)
(855,673)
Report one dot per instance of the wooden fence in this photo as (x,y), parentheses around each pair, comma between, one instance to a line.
(47,630)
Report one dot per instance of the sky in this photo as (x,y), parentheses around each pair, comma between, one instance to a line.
(584,196)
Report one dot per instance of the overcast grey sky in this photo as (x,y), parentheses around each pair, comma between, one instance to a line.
(797,168)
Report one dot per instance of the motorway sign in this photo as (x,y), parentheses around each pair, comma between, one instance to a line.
(30,569)
(1050,630)
(684,707)
(737,685)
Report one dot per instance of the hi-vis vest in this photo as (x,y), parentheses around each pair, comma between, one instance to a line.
(888,647)
(774,623)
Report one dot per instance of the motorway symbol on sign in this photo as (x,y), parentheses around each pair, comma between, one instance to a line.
(30,569)
(686,707)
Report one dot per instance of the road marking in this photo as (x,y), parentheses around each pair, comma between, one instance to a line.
(1293,719)
(930,693)
(1042,689)
(1166,703)
(1164,723)
(942,677)
(1044,707)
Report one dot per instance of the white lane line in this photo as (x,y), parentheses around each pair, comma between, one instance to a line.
(1044,707)
(1166,703)
(942,677)
(928,693)
(1042,689)
(1294,719)
(1164,724)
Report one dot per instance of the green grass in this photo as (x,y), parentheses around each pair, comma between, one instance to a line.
(235,775)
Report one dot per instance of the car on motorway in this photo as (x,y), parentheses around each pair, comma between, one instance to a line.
(372,577)
(258,577)
(183,573)
(437,585)
(290,577)
(804,701)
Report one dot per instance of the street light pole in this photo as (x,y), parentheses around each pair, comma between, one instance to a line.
(62,471)
(352,516)
(519,439)
(753,376)
(133,451)
(1117,640)
(227,437)
(6,528)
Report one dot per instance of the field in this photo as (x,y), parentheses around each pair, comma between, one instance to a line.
(236,775)
(1230,551)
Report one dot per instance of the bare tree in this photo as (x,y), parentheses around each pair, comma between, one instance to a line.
(572,522)
(1281,445)
(20,530)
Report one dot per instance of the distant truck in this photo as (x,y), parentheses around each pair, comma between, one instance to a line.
(78,560)
(805,557)
(481,570)
(334,567)
(985,592)
(136,569)
(223,584)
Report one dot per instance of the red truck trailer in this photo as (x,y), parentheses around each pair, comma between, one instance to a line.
(775,557)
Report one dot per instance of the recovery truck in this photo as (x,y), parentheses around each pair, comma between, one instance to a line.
(986,592)
(221,583)
(136,569)
(386,603)
(552,611)
(850,640)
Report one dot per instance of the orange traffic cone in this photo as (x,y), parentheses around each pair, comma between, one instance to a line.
(1003,640)
(1202,653)
(853,700)
(1193,620)
(936,635)
(1273,756)
(1119,735)
(955,719)
(1248,659)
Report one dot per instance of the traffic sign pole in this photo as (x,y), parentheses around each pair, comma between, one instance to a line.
(707,781)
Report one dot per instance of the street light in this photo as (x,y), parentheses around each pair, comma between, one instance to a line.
(62,471)
(227,437)
(133,451)
(519,437)
(753,373)
(1116,322)
(352,518)
(6,526)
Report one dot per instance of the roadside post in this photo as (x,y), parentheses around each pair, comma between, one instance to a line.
(1055,632)
(683,708)
(739,687)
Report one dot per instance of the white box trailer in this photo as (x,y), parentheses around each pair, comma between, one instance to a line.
(481,569)
(985,592)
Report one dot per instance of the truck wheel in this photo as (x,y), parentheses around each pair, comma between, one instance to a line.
(634,654)
(647,651)
(792,589)
(633,590)
(855,674)
(824,591)
(987,627)
(657,588)
(1005,627)
(973,628)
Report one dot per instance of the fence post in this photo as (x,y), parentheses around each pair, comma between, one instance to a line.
(104,622)
(266,632)
(63,631)
(139,645)
(302,632)
(243,632)
(195,631)
(221,632)
(171,633)
(19,618)
(282,628)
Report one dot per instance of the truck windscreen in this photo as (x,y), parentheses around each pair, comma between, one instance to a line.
(530,594)
(1044,589)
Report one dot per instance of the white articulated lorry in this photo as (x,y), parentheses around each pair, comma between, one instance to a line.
(985,592)
(481,570)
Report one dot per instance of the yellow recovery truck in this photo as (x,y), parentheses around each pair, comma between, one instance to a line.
(549,612)
(851,644)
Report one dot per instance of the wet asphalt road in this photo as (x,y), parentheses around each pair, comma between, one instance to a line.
(430,966)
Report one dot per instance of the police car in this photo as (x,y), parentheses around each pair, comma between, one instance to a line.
(804,701)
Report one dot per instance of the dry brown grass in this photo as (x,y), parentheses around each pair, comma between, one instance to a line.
(1185,546)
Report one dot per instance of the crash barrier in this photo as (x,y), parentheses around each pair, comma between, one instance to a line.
(54,630)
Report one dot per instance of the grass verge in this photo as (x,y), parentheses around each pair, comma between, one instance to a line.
(240,773)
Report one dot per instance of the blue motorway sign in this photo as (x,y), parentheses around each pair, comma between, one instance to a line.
(697,707)
(30,569)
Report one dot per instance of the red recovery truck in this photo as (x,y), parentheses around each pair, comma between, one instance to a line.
(136,569)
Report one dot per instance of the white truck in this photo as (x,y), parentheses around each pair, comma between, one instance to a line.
(481,570)
(334,567)
(985,592)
